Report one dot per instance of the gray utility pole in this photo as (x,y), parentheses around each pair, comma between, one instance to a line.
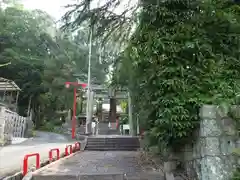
(88,120)
(130,117)
(91,104)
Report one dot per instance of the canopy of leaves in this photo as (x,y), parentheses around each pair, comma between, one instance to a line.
(43,58)
(182,55)
(112,19)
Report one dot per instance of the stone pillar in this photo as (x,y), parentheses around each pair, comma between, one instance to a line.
(216,162)
(91,104)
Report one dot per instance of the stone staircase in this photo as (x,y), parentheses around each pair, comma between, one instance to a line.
(103,129)
(112,143)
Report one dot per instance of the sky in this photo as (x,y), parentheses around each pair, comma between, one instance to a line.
(53,7)
(56,7)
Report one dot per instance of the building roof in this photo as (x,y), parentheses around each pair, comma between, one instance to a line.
(8,85)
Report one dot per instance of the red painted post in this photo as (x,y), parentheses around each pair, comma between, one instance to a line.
(51,154)
(25,162)
(74,113)
(77,146)
(66,150)
(75,84)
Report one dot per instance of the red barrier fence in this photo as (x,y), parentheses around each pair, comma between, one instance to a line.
(51,154)
(77,146)
(25,162)
(66,150)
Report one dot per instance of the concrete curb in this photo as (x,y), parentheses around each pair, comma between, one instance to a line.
(17,176)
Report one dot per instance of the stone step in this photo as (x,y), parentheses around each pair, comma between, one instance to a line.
(120,176)
(146,176)
(108,132)
(102,177)
(114,138)
(112,143)
(81,177)
(105,140)
(111,149)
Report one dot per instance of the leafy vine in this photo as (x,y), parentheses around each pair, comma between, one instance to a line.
(178,59)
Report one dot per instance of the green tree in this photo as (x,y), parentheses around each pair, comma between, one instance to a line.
(181,55)
(42,60)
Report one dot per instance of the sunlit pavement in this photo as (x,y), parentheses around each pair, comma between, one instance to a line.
(11,157)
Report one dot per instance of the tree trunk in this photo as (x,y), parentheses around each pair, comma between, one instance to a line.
(113,108)
(80,102)
(100,111)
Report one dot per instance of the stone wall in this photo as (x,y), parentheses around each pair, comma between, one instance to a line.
(209,156)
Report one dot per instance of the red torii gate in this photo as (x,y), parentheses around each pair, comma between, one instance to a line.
(75,84)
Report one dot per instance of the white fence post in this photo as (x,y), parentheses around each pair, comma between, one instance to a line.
(5,127)
(2,124)
(19,126)
(11,126)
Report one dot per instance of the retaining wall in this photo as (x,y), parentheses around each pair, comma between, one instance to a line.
(210,154)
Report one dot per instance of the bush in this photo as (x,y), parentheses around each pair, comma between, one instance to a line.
(182,55)
(48,126)
(236,174)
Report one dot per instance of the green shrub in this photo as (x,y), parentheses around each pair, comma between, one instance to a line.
(177,60)
(236,174)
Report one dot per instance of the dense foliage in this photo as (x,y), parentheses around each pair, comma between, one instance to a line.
(42,59)
(183,54)
(236,175)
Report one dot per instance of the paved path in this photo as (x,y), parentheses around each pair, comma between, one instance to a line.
(11,157)
(95,164)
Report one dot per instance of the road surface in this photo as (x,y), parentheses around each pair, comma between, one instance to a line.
(11,157)
(97,165)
